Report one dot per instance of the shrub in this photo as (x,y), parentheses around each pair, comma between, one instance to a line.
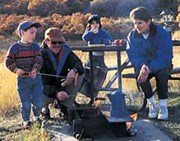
(103,7)
(62,7)
(15,7)
(72,26)
(47,7)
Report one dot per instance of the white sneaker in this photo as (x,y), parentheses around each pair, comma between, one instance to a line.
(26,124)
(35,118)
(163,113)
(153,111)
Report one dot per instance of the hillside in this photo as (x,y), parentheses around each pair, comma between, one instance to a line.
(71,15)
(106,8)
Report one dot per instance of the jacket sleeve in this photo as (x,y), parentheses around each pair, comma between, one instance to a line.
(133,53)
(49,89)
(10,59)
(73,61)
(38,61)
(87,36)
(164,53)
(108,38)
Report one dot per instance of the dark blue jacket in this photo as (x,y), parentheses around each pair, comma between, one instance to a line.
(52,85)
(102,37)
(155,51)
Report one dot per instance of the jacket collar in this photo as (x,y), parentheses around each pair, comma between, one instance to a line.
(152,31)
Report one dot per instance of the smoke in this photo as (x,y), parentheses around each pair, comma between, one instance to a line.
(127,5)
(103,7)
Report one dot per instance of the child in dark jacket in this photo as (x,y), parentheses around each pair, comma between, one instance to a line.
(95,35)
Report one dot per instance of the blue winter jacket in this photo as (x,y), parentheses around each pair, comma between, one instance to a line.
(102,37)
(155,51)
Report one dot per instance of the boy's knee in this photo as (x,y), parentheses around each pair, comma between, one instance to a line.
(26,106)
(39,105)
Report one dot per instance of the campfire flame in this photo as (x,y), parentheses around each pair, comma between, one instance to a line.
(134,117)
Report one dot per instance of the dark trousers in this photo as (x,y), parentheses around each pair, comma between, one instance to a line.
(161,78)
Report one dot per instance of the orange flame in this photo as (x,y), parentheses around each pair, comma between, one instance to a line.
(134,117)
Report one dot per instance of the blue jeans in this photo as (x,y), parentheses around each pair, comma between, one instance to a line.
(30,92)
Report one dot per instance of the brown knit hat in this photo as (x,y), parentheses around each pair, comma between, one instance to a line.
(54,34)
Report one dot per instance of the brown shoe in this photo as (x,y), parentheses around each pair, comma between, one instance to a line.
(27,125)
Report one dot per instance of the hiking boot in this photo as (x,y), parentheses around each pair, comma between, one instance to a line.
(163,113)
(45,114)
(27,125)
(63,112)
(153,111)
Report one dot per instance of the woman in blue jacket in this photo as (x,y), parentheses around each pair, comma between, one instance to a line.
(149,49)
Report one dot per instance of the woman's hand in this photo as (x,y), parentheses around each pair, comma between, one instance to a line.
(95,30)
(143,75)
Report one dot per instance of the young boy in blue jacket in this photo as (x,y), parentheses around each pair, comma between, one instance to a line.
(149,49)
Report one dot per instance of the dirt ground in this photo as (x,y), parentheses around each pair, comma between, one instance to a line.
(146,129)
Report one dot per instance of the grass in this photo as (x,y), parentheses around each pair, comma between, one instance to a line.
(34,134)
(9,98)
(9,103)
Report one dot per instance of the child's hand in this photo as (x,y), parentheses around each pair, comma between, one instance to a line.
(19,72)
(32,74)
(95,30)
